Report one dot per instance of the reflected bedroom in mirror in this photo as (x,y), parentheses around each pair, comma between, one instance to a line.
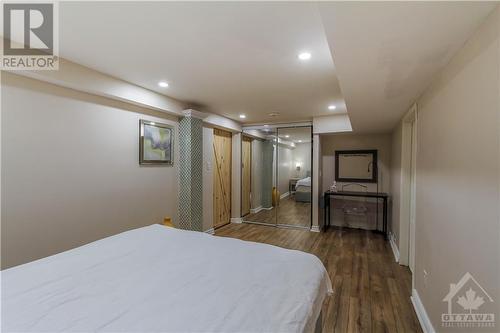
(276,176)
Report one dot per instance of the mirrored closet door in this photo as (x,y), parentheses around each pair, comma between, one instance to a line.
(294,156)
(276,176)
(258,183)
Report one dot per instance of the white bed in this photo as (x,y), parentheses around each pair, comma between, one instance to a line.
(303,190)
(159,279)
(304,182)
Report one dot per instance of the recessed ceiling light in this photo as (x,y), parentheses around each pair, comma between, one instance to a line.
(266,125)
(331,107)
(242,116)
(300,140)
(287,136)
(274,114)
(304,56)
(152,123)
(163,84)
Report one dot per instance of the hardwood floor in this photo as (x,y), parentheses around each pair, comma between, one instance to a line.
(371,291)
(290,212)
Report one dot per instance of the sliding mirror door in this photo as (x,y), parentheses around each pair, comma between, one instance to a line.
(294,178)
(258,189)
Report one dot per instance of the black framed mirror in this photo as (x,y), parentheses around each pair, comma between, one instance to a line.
(356,166)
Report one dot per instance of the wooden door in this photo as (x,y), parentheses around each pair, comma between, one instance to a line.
(246,174)
(222,177)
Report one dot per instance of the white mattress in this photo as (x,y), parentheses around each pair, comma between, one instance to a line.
(166,280)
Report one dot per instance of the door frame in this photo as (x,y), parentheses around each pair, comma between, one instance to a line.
(413,188)
(243,136)
(408,189)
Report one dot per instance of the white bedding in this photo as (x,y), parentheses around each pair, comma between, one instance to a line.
(303,182)
(159,279)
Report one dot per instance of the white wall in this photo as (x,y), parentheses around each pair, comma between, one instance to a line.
(70,170)
(332,124)
(81,78)
(381,142)
(222,123)
(458,174)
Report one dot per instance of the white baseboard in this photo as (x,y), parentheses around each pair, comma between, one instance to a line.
(424,320)
(210,231)
(284,195)
(394,247)
(315,228)
(256,210)
(236,220)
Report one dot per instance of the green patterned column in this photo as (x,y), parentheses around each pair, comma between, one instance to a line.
(190,173)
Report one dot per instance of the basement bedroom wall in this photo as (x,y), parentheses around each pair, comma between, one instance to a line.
(458,175)
(70,174)
(380,142)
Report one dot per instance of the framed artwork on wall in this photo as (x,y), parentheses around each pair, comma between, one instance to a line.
(155,143)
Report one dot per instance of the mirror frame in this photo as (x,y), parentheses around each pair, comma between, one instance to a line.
(374,154)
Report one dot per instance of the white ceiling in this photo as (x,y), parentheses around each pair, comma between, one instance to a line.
(387,53)
(222,57)
(241,57)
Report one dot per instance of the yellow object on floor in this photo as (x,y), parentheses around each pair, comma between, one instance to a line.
(275,197)
(167,221)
